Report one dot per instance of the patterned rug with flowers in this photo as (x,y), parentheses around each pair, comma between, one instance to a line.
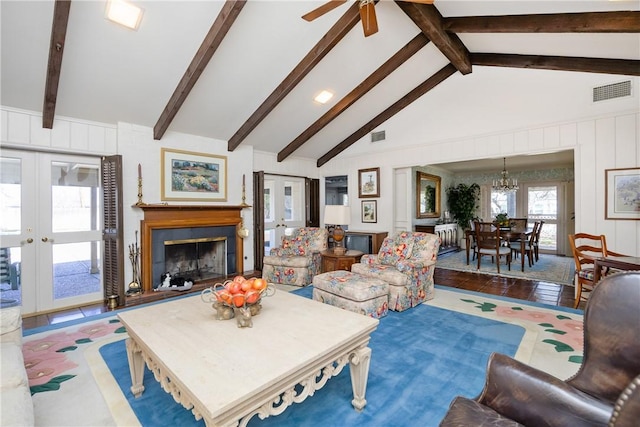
(427,355)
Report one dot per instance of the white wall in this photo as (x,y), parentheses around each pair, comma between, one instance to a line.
(611,141)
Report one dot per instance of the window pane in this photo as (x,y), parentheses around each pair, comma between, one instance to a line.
(543,203)
(503,203)
(74,197)
(293,198)
(268,198)
(10,200)
(76,269)
(10,263)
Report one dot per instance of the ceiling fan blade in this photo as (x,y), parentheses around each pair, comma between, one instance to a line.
(318,12)
(368,18)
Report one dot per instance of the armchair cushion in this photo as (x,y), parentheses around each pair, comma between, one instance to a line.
(298,258)
(395,248)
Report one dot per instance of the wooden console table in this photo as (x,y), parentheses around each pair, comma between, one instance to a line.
(448,233)
(332,261)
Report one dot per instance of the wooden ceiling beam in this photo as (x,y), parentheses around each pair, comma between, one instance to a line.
(399,58)
(210,44)
(627,67)
(431,23)
(588,22)
(399,105)
(54,65)
(315,55)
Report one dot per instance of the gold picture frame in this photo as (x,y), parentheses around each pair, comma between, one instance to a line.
(368,183)
(189,176)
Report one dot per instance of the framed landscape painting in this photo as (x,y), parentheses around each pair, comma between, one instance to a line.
(186,175)
(622,193)
(368,183)
(369,211)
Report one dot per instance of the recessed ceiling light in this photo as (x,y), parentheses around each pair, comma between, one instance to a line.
(124,13)
(323,97)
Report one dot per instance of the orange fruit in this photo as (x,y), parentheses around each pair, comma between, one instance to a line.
(239,279)
(235,287)
(245,286)
(259,284)
(252,297)
(238,300)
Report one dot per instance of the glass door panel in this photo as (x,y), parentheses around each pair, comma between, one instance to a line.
(542,204)
(283,208)
(50,231)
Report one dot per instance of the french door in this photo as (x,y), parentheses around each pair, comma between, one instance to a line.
(51,247)
(545,201)
(284,208)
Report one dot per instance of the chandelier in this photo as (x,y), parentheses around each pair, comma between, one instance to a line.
(504,184)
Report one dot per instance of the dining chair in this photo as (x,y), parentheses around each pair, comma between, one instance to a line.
(536,243)
(472,239)
(585,248)
(489,243)
(529,244)
(517,224)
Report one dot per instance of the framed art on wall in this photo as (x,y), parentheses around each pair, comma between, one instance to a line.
(622,193)
(369,183)
(186,175)
(369,211)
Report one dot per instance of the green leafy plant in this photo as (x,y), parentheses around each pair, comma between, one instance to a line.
(502,218)
(463,202)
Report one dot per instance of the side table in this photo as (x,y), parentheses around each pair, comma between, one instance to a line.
(332,261)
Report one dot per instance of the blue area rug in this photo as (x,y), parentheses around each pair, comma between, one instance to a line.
(421,359)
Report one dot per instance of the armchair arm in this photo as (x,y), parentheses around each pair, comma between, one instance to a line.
(411,264)
(369,259)
(532,397)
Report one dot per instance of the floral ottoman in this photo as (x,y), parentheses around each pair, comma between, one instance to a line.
(353,292)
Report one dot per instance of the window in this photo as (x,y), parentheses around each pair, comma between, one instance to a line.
(503,203)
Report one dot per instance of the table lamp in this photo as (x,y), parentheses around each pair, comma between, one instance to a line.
(337,215)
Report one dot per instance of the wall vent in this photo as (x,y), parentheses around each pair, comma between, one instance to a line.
(378,136)
(611,91)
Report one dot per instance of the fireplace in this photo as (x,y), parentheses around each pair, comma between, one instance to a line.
(195,241)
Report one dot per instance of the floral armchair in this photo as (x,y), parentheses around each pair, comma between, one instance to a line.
(298,258)
(406,261)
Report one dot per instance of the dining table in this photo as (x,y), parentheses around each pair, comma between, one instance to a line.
(507,235)
(616,262)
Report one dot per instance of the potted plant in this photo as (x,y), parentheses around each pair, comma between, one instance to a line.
(502,219)
(463,202)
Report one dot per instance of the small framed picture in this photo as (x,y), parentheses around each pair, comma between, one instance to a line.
(369,183)
(369,211)
(186,175)
(622,193)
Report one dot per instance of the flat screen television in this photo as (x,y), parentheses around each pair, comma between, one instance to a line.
(359,242)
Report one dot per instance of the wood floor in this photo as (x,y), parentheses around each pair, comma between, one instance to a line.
(529,290)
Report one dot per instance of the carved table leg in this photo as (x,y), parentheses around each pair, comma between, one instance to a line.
(136,367)
(359,367)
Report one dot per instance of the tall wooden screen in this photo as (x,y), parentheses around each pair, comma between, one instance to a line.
(258,220)
(112,235)
(312,202)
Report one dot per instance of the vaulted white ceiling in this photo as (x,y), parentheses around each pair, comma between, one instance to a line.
(111,74)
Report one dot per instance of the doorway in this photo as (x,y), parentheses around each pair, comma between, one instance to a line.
(51,230)
(284,208)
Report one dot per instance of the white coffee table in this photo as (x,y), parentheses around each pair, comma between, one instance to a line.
(227,374)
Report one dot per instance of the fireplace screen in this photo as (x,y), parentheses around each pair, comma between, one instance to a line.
(197,259)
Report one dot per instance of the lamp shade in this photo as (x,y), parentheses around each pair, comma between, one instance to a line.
(337,215)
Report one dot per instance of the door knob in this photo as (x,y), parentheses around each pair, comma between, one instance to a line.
(29,240)
(45,239)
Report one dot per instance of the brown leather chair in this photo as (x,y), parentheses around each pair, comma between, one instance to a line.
(604,391)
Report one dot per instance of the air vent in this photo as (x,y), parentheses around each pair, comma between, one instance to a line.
(378,136)
(614,90)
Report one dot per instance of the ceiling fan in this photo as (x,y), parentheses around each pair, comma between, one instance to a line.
(367,13)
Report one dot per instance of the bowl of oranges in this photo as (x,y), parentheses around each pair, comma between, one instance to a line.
(239,293)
